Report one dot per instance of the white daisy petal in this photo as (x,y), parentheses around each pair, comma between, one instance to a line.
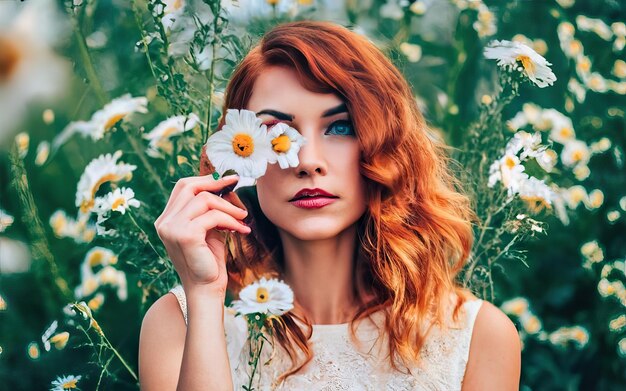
(511,54)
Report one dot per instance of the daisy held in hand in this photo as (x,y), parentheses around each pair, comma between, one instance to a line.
(260,303)
(244,145)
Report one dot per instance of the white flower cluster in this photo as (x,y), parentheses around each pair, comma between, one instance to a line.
(78,229)
(104,168)
(103,120)
(532,326)
(574,49)
(97,270)
(509,169)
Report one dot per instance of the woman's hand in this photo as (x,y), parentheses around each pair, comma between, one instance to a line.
(189,228)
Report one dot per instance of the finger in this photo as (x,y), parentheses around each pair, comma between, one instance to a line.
(205,201)
(187,188)
(216,218)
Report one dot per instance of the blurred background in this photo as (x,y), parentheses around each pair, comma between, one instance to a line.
(84,78)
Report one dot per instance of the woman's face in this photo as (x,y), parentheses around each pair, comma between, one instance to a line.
(329,160)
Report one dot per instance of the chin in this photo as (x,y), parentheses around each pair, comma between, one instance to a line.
(315,229)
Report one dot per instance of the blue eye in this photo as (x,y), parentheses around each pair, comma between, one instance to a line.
(341,128)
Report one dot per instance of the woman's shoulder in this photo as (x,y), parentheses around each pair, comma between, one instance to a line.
(495,350)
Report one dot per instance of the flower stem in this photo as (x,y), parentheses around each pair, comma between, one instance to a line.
(90,70)
(40,246)
(141,154)
(132,218)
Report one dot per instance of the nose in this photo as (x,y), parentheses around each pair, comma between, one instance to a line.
(311,159)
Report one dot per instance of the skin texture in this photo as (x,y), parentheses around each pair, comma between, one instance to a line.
(318,243)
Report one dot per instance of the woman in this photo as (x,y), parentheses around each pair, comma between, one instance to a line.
(368,230)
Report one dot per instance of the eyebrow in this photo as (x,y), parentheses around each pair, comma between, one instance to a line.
(342,108)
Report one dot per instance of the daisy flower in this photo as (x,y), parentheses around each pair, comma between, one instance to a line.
(79,229)
(575,152)
(118,200)
(516,306)
(30,69)
(533,65)
(264,296)
(242,145)
(173,10)
(63,383)
(104,119)
(99,171)
(507,170)
(5,220)
(536,194)
(563,335)
(159,137)
(412,52)
(286,143)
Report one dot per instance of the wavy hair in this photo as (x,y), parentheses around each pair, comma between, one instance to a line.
(416,234)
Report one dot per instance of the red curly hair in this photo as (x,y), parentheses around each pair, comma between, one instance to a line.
(416,234)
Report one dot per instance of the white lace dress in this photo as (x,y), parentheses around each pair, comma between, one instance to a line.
(341,364)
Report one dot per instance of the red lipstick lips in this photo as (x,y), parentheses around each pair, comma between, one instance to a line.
(312,198)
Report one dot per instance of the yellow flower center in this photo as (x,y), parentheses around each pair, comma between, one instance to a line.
(243,145)
(281,144)
(95,258)
(60,340)
(509,162)
(527,63)
(33,351)
(117,203)
(113,120)
(69,384)
(577,156)
(88,204)
(566,132)
(95,303)
(58,224)
(167,132)
(9,58)
(536,204)
(262,295)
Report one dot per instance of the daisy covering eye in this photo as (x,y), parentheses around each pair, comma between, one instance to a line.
(245,146)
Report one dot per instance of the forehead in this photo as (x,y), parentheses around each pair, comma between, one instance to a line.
(278,87)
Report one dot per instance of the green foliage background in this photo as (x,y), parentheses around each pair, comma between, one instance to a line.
(560,290)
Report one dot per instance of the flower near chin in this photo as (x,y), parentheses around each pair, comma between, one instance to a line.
(29,68)
(159,137)
(262,303)
(104,168)
(104,119)
(242,145)
(63,383)
(517,56)
(286,143)
(266,297)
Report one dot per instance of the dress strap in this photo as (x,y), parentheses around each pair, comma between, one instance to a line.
(471,307)
(179,292)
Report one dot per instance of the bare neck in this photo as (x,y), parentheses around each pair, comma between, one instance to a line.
(321,275)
